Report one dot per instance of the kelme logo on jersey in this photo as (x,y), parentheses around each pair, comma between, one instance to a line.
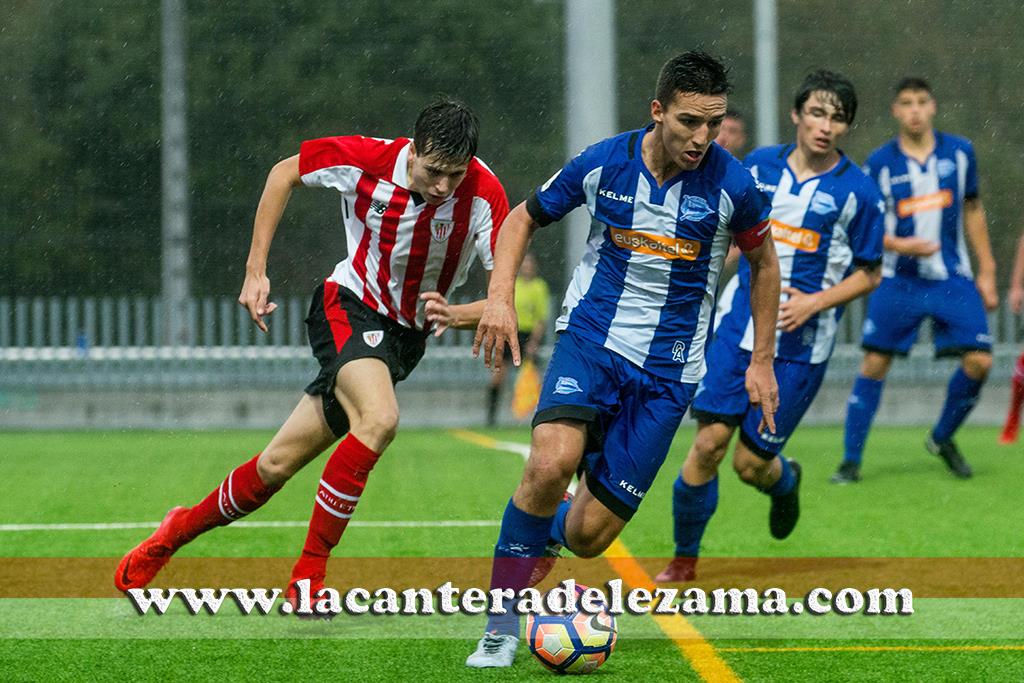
(440,229)
(373,338)
(693,208)
(615,196)
(823,203)
(798,238)
(655,245)
(567,385)
(936,201)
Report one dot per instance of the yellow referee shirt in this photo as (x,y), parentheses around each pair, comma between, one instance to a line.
(533,303)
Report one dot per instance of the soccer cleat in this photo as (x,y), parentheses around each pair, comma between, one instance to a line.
(679,570)
(951,455)
(1010,429)
(785,510)
(848,473)
(145,560)
(493,650)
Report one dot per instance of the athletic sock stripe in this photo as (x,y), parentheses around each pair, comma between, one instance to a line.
(339,494)
(231,497)
(334,512)
(220,502)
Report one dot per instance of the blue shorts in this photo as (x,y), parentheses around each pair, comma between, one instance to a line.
(722,396)
(631,417)
(900,304)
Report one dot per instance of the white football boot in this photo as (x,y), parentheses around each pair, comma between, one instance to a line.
(493,650)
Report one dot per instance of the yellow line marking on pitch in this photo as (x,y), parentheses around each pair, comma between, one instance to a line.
(879,648)
(700,654)
(697,651)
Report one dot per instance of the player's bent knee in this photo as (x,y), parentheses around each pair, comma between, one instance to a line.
(549,472)
(710,446)
(977,365)
(875,365)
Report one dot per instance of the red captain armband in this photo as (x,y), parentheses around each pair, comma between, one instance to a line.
(751,238)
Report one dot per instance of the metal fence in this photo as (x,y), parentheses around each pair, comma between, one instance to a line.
(85,323)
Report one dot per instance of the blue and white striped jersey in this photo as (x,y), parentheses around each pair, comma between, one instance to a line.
(823,228)
(645,287)
(927,200)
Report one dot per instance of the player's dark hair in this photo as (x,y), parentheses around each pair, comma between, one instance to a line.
(695,72)
(734,115)
(843,95)
(448,129)
(912,83)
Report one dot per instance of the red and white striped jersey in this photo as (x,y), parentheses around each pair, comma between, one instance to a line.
(398,245)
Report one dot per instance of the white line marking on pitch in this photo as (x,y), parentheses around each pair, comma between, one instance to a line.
(254,525)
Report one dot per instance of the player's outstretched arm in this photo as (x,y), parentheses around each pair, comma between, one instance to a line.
(256,288)
(498,324)
(1017,278)
(443,315)
(977,232)
(764,307)
(799,307)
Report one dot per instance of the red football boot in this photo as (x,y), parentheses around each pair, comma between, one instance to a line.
(679,570)
(142,563)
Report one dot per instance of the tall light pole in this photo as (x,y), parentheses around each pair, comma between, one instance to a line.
(175,265)
(591,95)
(766,71)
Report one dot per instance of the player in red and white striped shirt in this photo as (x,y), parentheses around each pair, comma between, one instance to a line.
(415,214)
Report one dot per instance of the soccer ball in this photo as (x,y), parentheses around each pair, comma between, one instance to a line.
(574,643)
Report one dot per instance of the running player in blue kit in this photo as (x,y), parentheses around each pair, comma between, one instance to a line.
(665,202)
(929,180)
(826,222)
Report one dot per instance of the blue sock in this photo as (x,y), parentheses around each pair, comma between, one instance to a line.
(692,508)
(787,479)
(521,541)
(961,396)
(558,524)
(860,413)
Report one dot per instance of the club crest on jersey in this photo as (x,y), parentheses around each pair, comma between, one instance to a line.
(946,168)
(823,203)
(567,385)
(679,352)
(378,207)
(693,208)
(373,338)
(440,229)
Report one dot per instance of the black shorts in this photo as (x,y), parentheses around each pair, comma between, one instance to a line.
(342,328)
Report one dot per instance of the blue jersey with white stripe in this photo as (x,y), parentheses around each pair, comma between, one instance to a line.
(927,200)
(823,228)
(645,287)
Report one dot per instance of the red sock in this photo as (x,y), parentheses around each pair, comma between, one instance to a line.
(239,494)
(341,485)
(1016,395)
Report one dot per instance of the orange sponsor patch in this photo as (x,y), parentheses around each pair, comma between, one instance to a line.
(798,238)
(936,201)
(655,245)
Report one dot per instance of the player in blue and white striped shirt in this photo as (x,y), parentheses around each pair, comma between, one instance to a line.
(827,226)
(665,201)
(929,180)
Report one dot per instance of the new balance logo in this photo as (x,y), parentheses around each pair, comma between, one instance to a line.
(378,207)
(567,385)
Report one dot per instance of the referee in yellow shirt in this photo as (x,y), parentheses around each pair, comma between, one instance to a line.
(533,303)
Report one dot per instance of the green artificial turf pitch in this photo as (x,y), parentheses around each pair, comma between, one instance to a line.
(907,506)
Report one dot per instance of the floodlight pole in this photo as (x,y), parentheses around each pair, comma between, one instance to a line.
(175,266)
(766,70)
(591,94)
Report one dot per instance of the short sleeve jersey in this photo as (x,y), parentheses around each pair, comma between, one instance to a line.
(645,288)
(823,228)
(926,200)
(398,245)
